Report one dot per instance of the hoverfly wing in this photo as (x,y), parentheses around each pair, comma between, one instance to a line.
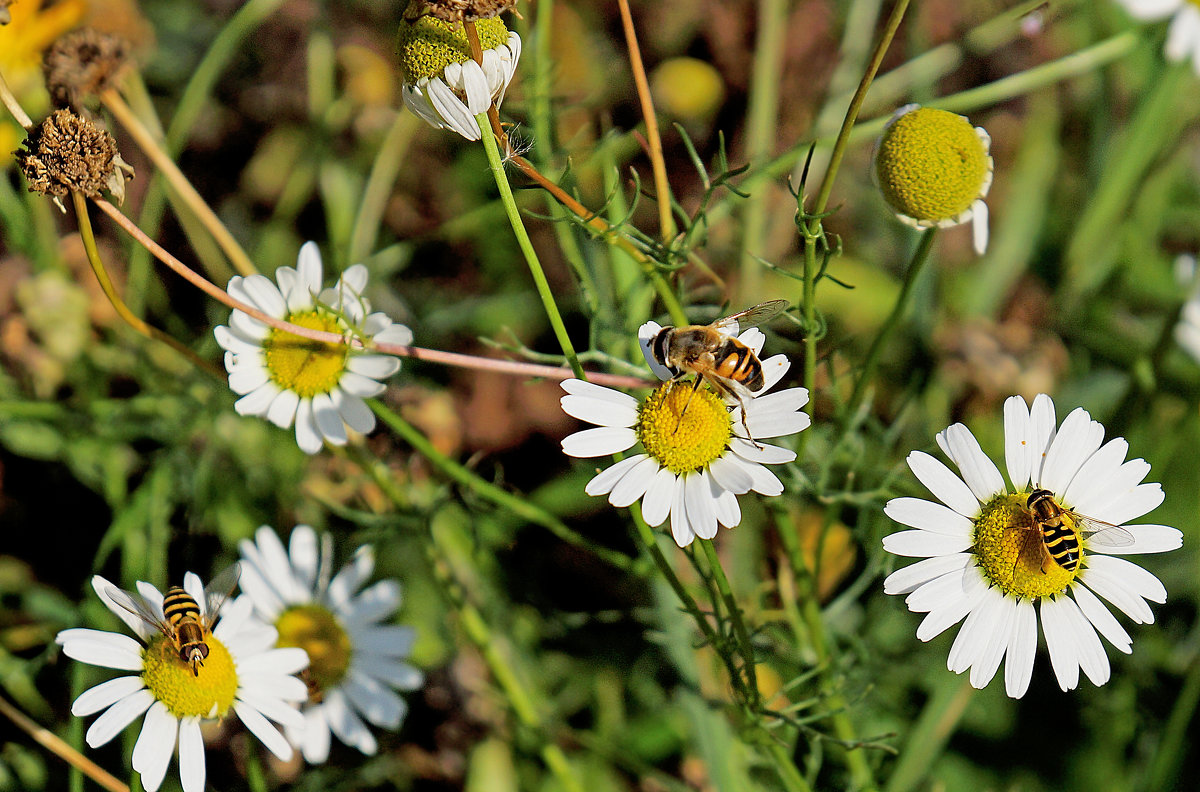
(217,592)
(755,315)
(135,604)
(1101,533)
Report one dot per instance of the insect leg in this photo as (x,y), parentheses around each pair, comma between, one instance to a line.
(679,421)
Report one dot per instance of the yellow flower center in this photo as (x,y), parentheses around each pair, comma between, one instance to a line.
(1012,552)
(319,633)
(300,364)
(682,439)
(427,45)
(931,165)
(208,693)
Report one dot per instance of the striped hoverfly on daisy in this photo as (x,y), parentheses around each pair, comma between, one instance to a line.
(182,620)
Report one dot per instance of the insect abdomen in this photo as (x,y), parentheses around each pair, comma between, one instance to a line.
(178,605)
(1061,544)
(738,362)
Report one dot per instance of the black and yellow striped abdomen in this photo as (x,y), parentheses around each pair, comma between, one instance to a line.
(183,614)
(1059,537)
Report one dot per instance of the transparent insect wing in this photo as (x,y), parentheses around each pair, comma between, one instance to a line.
(1104,534)
(137,606)
(217,592)
(755,315)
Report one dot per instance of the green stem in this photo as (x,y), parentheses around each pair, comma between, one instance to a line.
(489,491)
(915,267)
(789,774)
(929,736)
(843,138)
(535,266)
(761,127)
(735,615)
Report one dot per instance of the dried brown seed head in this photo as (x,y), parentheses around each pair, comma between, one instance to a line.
(458,10)
(68,152)
(83,63)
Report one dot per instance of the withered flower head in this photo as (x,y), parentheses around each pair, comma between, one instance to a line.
(68,152)
(458,10)
(83,63)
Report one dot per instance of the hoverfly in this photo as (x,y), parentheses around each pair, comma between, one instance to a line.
(1057,543)
(181,619)
(714,354)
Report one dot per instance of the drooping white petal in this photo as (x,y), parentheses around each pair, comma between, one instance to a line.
(698,502)
(1060,643)
(725,506)
(308,437)
(375,702)
(656,504)
(681,529)
(633,484)
(1088,649)
(314,739)
(979,226)
(347,725)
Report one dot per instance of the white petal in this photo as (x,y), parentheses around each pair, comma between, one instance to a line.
(354,411)
(763,453)
(346,725)
(261,728)
(979,226)
(1146,539)
(474,84)
(602,441)
(972,640)
(725,506)
(602,412)
(699,500)
(1060,642)
(1070,448)
(1096,475)
(376,602)
(282,409)
(656,504)
(315,736)
(923,544)
(1102,619)
(110,650)
(905,580)
(388,640)
(928,516)
(1022,645)
(1088,649)
(1182,34)
(357,385)
(329,421)
(376,703)
(633,485)
(941,481)
(681,529)
(603,482)
(940,591)
(1017,451)
(730,475)
(351,577)
(246,380)
(265,295)
(118,716)
(105,695)
(1150,10)
(1130,575)
(132,620)
(1112,590)
(451,110)
(154,746)
(979,472)
(1141,499)
(646,334)
(377,367)
(308,438)
(1042,429)
(304,555)
(578,387)
(1000,614)
(191,755)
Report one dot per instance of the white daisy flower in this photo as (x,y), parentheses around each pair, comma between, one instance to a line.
(934,169)
(285,378)
(693,465)
(356,662)
(240,672)
(443,85)
(986,560)
(1183,36)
